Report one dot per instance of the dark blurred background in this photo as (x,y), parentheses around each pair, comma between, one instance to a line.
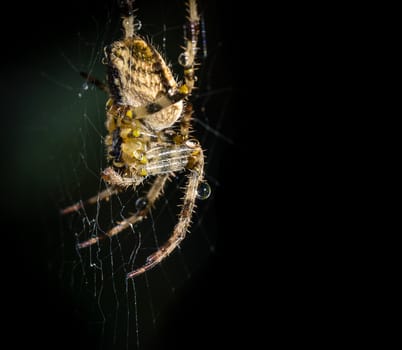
(41,48)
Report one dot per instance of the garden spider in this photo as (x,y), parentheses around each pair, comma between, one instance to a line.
(148,119)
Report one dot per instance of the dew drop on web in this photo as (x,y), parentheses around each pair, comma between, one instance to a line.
(183,59)
(141,203)
(203,191)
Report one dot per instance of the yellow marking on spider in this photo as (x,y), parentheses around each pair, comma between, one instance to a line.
(143,49)
(137,130)
(183,89)
(129,113)
(143,172)
(143,159)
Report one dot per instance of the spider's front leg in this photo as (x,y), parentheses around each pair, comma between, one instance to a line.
(113,178)
(187,58)
(106,194)
(195,178)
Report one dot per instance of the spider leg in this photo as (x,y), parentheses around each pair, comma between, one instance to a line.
(113,178)
(159,160)
(187,58)
(92,80)
(195,177)
(110,191)
(127,12)
(168,158)
(153,194)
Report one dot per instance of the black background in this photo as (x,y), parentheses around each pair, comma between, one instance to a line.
(217,307)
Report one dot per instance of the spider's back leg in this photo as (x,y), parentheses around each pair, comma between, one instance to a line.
(195,178)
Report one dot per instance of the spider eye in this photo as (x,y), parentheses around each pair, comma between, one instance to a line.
(141,203)
(203,191)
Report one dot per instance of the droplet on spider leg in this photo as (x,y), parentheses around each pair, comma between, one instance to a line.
(183,59)
(203,191)
(137,25)
(141,203)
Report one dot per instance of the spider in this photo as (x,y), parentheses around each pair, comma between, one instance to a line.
(148,120)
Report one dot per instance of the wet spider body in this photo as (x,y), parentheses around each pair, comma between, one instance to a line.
(148,119)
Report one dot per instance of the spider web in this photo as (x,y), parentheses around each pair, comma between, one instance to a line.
(124,313)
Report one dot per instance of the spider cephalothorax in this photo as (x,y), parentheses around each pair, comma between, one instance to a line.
(148,123)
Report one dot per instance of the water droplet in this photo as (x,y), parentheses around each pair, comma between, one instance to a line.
(183,59)
(203,191)
(137,25)
(79,95)
(141,203)
(85,86)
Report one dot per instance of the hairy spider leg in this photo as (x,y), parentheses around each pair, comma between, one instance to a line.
(187,58)
(106,194)
(95,81)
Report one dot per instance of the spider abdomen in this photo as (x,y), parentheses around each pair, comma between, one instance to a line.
(139,77)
